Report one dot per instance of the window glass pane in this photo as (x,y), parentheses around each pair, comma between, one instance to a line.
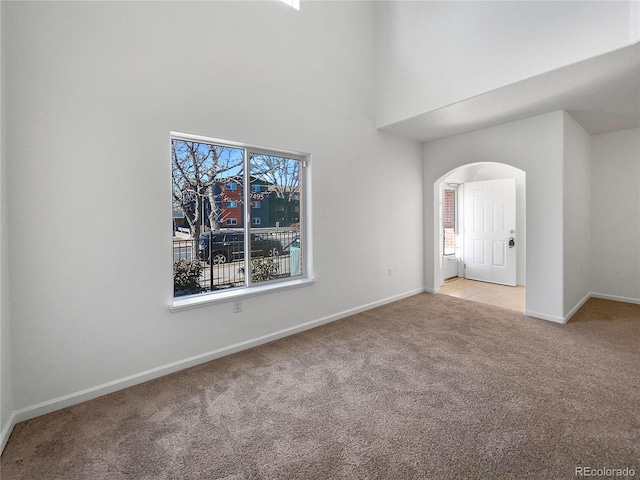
(207,195)
(276,185)
(449,221)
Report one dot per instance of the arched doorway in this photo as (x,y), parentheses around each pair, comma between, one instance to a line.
(451,246)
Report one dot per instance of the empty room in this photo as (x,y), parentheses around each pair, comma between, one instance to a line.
(405,239)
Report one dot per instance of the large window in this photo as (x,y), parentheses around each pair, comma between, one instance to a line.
(224,239)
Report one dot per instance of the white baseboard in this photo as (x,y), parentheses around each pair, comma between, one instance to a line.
(616,298)
(431,290)
(577,307)
(5,433)
(544,316)
(75,398)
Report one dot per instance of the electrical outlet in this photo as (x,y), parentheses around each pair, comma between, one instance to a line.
(237,306)
(391,272)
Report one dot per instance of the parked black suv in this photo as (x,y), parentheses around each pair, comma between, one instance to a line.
(228,245)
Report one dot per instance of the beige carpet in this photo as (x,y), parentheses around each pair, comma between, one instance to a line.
(430,387)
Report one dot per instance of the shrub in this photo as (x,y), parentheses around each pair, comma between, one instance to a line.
(263,268)
(186,276)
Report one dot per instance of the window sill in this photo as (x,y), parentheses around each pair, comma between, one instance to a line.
(200,300)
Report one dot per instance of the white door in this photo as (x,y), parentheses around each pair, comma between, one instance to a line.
(489,231)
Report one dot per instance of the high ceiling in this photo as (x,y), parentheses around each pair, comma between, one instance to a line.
(601,93)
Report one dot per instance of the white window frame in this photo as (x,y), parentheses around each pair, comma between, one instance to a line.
(231,221)
(256,221)
(454,189)
(307,277)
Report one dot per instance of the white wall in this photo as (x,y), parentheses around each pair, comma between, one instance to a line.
(490,171)
(433,54)
(577,215)
(534,145)
(94,90)
(615,215)
(6,378)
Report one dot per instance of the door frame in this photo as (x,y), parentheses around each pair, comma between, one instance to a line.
(488,272)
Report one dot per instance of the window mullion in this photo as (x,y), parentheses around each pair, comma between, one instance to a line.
(246,195)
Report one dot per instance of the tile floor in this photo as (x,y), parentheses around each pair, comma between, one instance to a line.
(489,293)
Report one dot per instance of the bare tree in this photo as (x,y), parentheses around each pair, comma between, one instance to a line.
(199,171)
(282,174)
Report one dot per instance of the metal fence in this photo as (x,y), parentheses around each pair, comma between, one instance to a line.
(273,255)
